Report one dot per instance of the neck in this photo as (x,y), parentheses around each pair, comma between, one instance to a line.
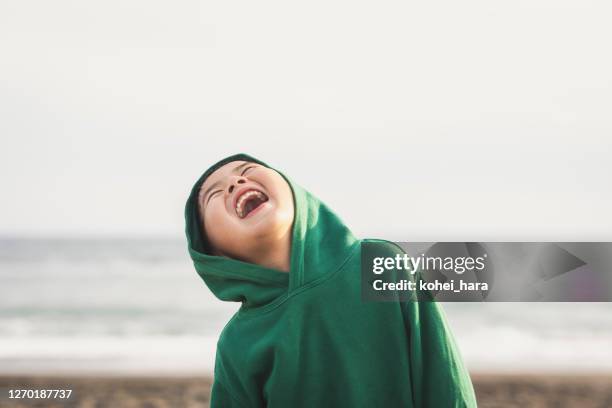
(275,255)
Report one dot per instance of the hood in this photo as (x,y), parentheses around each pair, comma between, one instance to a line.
(320,245)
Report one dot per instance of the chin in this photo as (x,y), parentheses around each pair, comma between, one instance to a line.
(273,224)
(263,229)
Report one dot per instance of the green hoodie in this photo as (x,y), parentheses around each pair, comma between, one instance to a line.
(306,338)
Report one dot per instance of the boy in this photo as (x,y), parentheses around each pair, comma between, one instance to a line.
(303,337)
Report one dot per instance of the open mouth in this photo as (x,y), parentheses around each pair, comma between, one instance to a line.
(249,201)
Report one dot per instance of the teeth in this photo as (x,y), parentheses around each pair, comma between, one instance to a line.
(243,198)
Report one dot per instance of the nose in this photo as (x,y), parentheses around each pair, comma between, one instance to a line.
(238,180)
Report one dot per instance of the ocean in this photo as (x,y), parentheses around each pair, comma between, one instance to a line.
(128,306)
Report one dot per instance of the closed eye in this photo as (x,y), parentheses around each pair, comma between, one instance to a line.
(246,169)
(213,194)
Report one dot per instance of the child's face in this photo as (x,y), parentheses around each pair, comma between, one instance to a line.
(245,205)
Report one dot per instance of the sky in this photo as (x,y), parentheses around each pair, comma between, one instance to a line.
(426,121)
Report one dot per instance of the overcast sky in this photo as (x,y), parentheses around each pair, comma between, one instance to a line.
(438,120)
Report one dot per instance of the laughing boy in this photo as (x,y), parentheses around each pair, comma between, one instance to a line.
(303,337)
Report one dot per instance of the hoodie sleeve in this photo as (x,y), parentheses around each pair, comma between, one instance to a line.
(439,376)
(224,392)
(220,397)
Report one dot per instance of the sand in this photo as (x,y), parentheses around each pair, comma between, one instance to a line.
(493,391)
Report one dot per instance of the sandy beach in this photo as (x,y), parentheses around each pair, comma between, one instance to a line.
(493,391)
(539,390)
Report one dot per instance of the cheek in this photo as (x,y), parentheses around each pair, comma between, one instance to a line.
(215,208)
(215,220)
(288,205)
(283,192)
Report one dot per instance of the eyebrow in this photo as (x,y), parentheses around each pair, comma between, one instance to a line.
(216,183)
